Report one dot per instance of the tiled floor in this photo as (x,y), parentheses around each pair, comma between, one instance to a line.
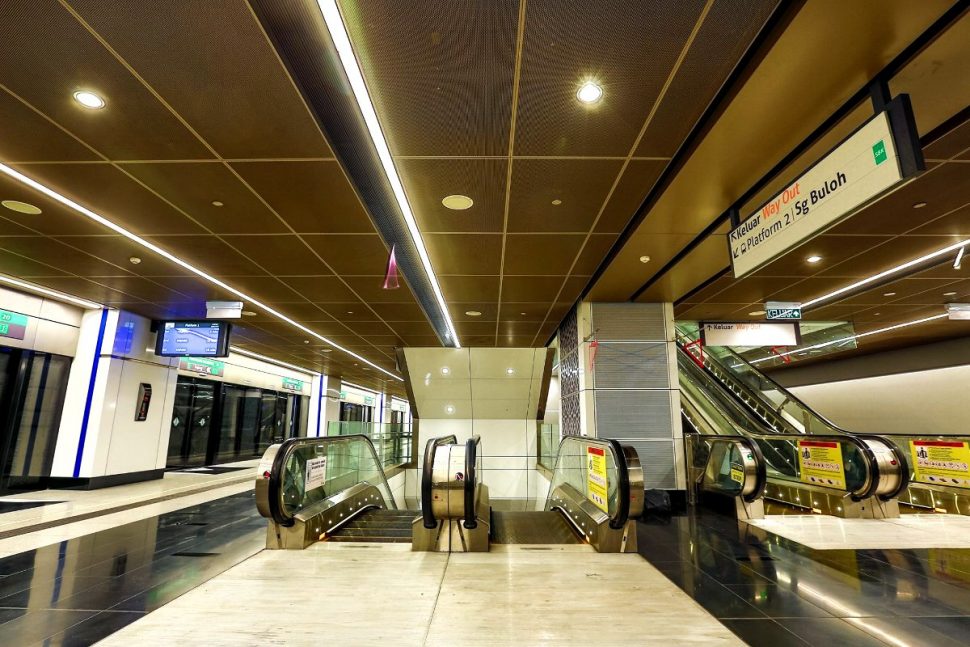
(74,505)
(384,594)
(80,590)
(772,591)
(909,531)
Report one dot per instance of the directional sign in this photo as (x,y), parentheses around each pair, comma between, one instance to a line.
(783,310)
(869,163)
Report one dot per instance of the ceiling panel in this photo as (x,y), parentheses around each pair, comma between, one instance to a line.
(281,255)
(523,257)
(360,254)
(556,60)
(320,289)
(194,188)
(311,196)
(638,178)
(428,180)
(465,253)
(35,138)
(49,44)
(580,185)
(211,62)
(47,251)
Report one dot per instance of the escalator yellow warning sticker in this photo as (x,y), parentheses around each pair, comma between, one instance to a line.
(941,462)
(820,463)
(597,485)
(737,473)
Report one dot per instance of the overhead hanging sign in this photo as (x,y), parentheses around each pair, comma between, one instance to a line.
(783,310)
(747,333)
(820,463)
(861,168)
(941,462)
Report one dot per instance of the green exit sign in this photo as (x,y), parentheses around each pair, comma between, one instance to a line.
(783,311)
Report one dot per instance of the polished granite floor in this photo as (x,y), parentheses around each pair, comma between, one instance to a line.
(772,591)
(79,591)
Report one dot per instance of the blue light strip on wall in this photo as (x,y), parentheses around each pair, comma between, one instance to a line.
(90,398)
(320,406)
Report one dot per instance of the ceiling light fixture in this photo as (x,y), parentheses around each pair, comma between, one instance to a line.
(60,296)
(644,259)
(341,40)
(510,371)
(270,360)
(756,313)
(134,260)
(445,370)
(84,211)
(248,313)
(557,202)
(888,294)
(21,207)
(813,259)
(473,313)
(845,339)
(881,275)
(457,202)
(959,259)
(949,294)
(589,93)
(217,203)
(450,409)
(919,205)
(89,99)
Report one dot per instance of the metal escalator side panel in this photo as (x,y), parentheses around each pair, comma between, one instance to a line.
(427,472)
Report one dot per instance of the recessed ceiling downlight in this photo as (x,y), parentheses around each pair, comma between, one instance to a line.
(589,92)
(473,313)
(457,202)
(21,207)
(89,99)
(248,313)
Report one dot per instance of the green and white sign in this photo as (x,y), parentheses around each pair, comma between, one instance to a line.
(13,324)
(861,168)
(289,384)
(783,310)
(202,365)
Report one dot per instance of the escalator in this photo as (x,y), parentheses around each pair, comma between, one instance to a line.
(334,489)
(595,494)
(840,474)
(929,487)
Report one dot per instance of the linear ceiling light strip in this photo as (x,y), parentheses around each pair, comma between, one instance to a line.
(341,40)
(60,296)
(851,337)
(876,277)
(84,211)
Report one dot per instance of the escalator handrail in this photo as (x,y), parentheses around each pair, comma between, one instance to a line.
(427,513)
(276,509)
(761,474)
(471,480)
(619,459)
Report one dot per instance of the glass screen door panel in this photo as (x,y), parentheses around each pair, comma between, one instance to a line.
(231,427)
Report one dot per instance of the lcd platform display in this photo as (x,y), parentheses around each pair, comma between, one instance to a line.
(195,338)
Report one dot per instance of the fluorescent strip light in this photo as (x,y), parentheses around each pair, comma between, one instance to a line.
(959,259)
(889,272)
(60,296)
(270,360)
(359,388)
(844,339)
(84,211)
(341,40)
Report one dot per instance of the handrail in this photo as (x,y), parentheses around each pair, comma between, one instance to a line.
(471,480)
(761,474)
(901,459)
(276,511)
(619,458)
(426,485)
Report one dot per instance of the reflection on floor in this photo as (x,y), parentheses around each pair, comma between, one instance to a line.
(384,594)
(74,505)
(909,531)
(79,591)
(772,591)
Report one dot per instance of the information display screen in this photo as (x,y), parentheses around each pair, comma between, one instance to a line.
(195,338)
